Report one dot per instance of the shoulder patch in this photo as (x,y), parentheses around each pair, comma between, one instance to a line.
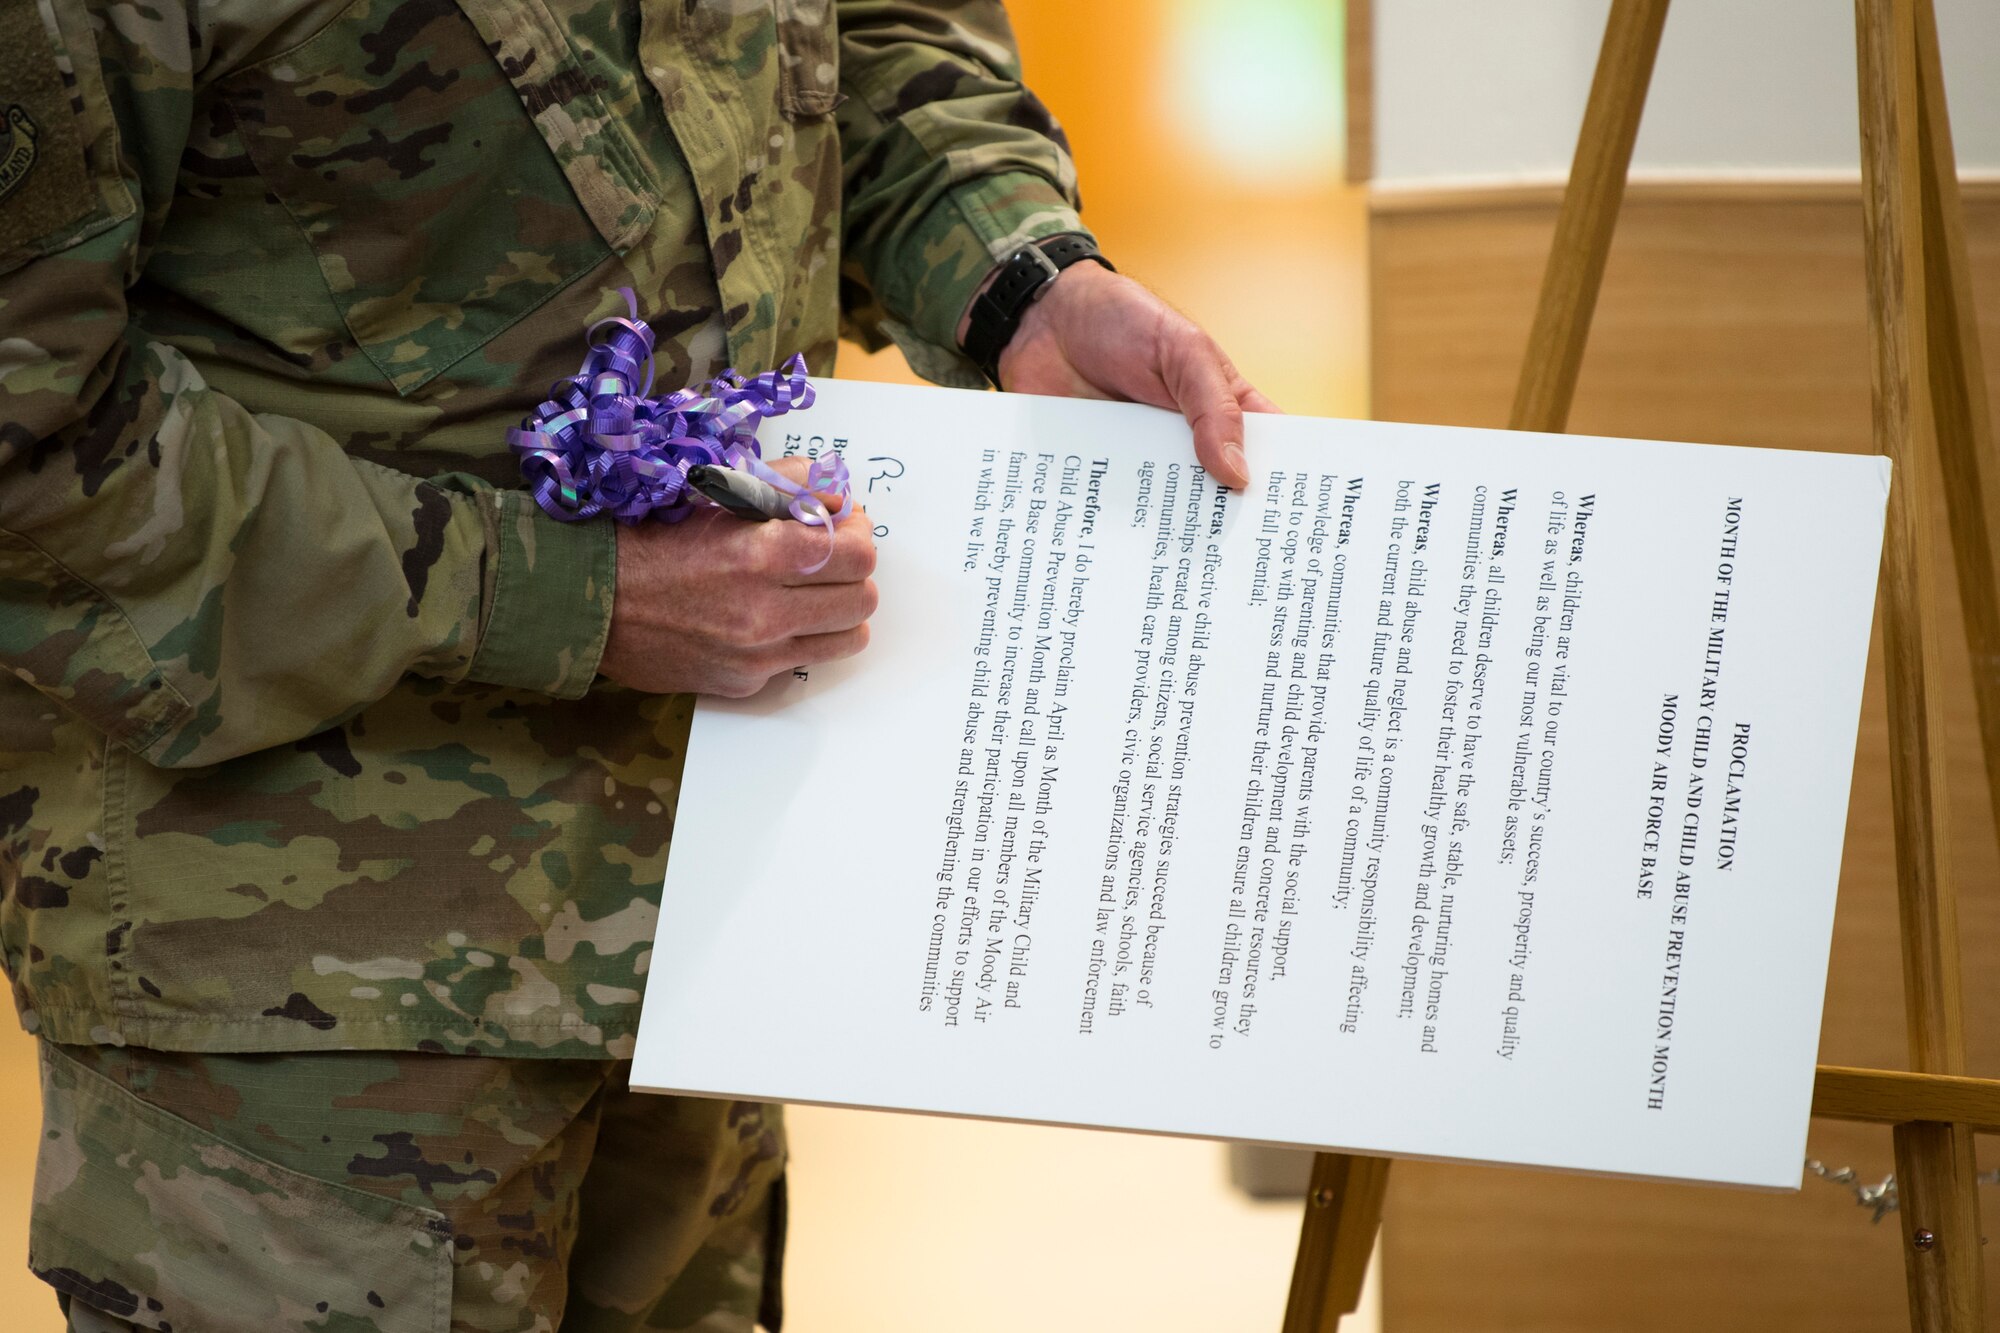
(44,190)
(17,159)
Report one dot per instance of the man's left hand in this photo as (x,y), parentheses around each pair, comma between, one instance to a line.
(1099,334)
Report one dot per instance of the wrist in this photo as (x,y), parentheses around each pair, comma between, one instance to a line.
(1012,289)
(1060,303)
(985,285)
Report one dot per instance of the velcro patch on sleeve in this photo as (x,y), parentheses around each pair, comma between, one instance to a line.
(44,189)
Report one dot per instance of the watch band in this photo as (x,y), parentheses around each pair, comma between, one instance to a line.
(997,311)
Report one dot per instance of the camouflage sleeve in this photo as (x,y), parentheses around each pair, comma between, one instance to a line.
(950,164)
(196,580)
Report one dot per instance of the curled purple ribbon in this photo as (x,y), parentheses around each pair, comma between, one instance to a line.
(600,445)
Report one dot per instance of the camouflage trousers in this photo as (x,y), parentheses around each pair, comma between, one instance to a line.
(389,1192)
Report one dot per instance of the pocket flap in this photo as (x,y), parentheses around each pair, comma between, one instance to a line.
(567,105)
(808,58)
(147,1217)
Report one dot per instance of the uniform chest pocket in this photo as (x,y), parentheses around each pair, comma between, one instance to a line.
(452,168)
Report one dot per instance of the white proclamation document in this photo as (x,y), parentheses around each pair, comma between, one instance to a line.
(1451,793)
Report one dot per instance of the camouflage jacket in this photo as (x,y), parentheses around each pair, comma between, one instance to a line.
(302,746)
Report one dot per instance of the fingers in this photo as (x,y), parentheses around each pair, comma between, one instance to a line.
(828,609)
(1100,334)
(793,469)
(807,650)
(796,469)
(792,549)
(1200,379)
(786,550)
(716,605)
(815,649)
(812,649)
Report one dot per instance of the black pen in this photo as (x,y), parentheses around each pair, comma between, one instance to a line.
(740,493)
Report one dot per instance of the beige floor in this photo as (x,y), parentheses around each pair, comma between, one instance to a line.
(908,1223)
(29,1307)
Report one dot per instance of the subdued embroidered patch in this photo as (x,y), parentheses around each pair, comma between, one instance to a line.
(44,190)
(18,158)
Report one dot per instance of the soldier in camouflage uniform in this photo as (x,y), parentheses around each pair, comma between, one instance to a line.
(336,780)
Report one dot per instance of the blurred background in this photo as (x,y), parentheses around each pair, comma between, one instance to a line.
(1357,201)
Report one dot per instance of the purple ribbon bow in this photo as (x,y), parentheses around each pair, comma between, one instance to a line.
(598,445)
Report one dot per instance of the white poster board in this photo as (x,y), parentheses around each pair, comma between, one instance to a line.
(1452,793)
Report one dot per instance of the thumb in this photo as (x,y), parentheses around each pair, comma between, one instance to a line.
(797,468)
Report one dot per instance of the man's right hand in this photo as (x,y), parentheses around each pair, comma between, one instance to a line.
(717,605)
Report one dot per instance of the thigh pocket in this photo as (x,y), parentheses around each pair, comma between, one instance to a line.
(146,1217)
(450,174)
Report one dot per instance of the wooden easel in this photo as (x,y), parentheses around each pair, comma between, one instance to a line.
(1930,415)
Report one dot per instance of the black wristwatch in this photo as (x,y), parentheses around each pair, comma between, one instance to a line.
(997,311)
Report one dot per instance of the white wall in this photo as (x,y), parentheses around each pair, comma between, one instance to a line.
(1495,88)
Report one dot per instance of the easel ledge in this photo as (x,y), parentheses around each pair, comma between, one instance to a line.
(1889,1097)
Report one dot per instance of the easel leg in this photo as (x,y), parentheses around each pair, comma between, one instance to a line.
(1935,1160)
(1940,1215)
(1589,215)
(1343,1212)
(1344,1206)
(1964,420)
(1904,429)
